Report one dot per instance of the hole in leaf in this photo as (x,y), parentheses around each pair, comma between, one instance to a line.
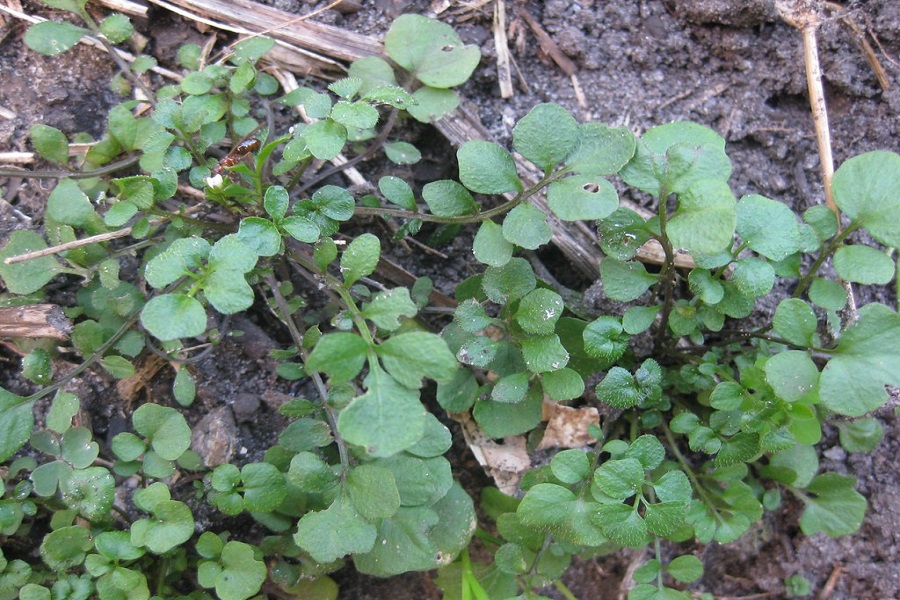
(448,48)
(591,188)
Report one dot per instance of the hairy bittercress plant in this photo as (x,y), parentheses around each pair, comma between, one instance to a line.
(705,431)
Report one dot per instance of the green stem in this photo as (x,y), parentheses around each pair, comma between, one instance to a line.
(297,338)
(96,356)
(562,589)
(114,54)
(110,168)
(695,483)
(462,219)
(666,274)
(835,243)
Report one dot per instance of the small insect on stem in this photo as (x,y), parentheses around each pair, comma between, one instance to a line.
(235,156)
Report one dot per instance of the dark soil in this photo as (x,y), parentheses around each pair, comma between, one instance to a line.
(729,64)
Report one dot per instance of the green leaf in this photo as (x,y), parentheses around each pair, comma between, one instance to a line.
(665,518)
(361,115)
(823,221)
(544,353)
(832,506)
(197,83)
(862,435)
(486,168)
(619,479)
(539,311)
(339,355)
(570,466)
(867,189)
(675,156)
(564,384)
(622,524)
(743,447)
(260,235)
(115,545)
(753,277)
(230,254)
(309,472)
(546,135)
(604,339)
(65,548)
(704,222)
(796,322)
(251,49)
(172,525)
(165,428)
(117,28)
(622,234)
(500,420)
(624,281)
(866,359)
(242,574)
(673,486)
(768,227)
(459,393)
(430,104)
(29,276)
(686,569)
(430,50)
(526,226)
(410,356)
(402,153)
(601,150)
(325,139)
(419,538)
(172,316)
(51,38)
(490,247)
(50,143)
(420,482)
(335,532)
(301,229)
(183,256)
(827,294)
(117,366)
(89,491)
(264,488)
(346,88)
(509,282)
(373,491)
(863,264)
(648,450)
(67,204)
(446,198)
(706,287)
(619,389)
(276,202)
(792,375)
(36,366)
(397,191)
(794,466)
(386,308)
(545,505)
(65,406)
(387,419)
(183,388)
(78,447)
(510,389)
(227,290)
(360,258)
(582,197)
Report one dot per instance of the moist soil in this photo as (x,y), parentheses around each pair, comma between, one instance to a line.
(731,65)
